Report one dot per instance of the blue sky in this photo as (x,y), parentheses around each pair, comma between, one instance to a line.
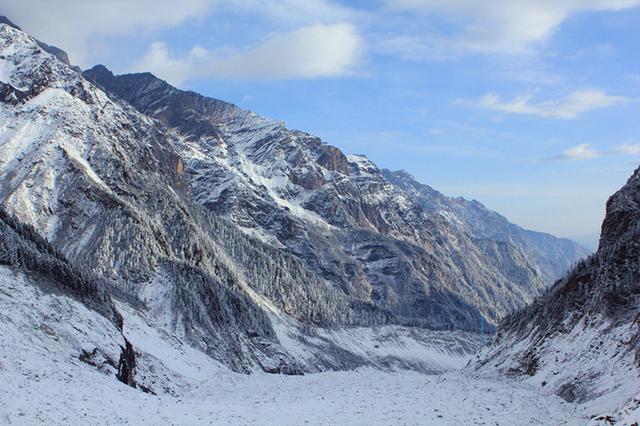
(529,106)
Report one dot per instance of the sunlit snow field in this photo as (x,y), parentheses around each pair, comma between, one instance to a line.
(45,382)
(359,398)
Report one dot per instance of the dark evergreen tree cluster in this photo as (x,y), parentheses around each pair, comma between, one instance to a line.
(290,284)
(23,247)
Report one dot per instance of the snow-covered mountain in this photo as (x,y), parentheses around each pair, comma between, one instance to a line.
(379,236)
(98,181)
(581,340)
(106,186)
(166,239)
(253,243)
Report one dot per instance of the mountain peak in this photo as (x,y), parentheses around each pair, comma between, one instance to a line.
(7,21)
(100,68)
(153,96)
(55,51)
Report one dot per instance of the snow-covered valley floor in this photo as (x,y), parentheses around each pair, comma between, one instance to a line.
(44,379)
(363,397)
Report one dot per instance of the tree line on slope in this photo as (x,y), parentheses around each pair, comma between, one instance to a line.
(21,246)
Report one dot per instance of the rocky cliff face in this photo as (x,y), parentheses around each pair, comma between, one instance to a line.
(379,236)
(581,339)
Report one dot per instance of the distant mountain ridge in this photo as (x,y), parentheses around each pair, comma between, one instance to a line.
(380,236)
(549,254)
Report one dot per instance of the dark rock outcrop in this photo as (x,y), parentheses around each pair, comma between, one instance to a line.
(127,365)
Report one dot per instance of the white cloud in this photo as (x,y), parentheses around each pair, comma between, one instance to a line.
(504,25)
(569,107)
(309,52)
(74,25)
(311,38)
(71,24)
(587,152)
(580,152)
(296,12)
(629,149)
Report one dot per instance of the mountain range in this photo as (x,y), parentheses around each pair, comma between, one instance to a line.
(145,230)
(256,244)
(378,236)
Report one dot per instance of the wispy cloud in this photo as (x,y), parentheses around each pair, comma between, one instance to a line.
(296,12)
(587,152)
(75,25)
(569,107)
(578,152)
(504,26)
(629,149)
(415,48)
(72,24)
(314,51)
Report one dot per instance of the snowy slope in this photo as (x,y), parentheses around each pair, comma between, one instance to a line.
(105,184)
(61,372)
(581,340)
(41,353)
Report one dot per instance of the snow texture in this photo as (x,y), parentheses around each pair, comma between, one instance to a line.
(41,351)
